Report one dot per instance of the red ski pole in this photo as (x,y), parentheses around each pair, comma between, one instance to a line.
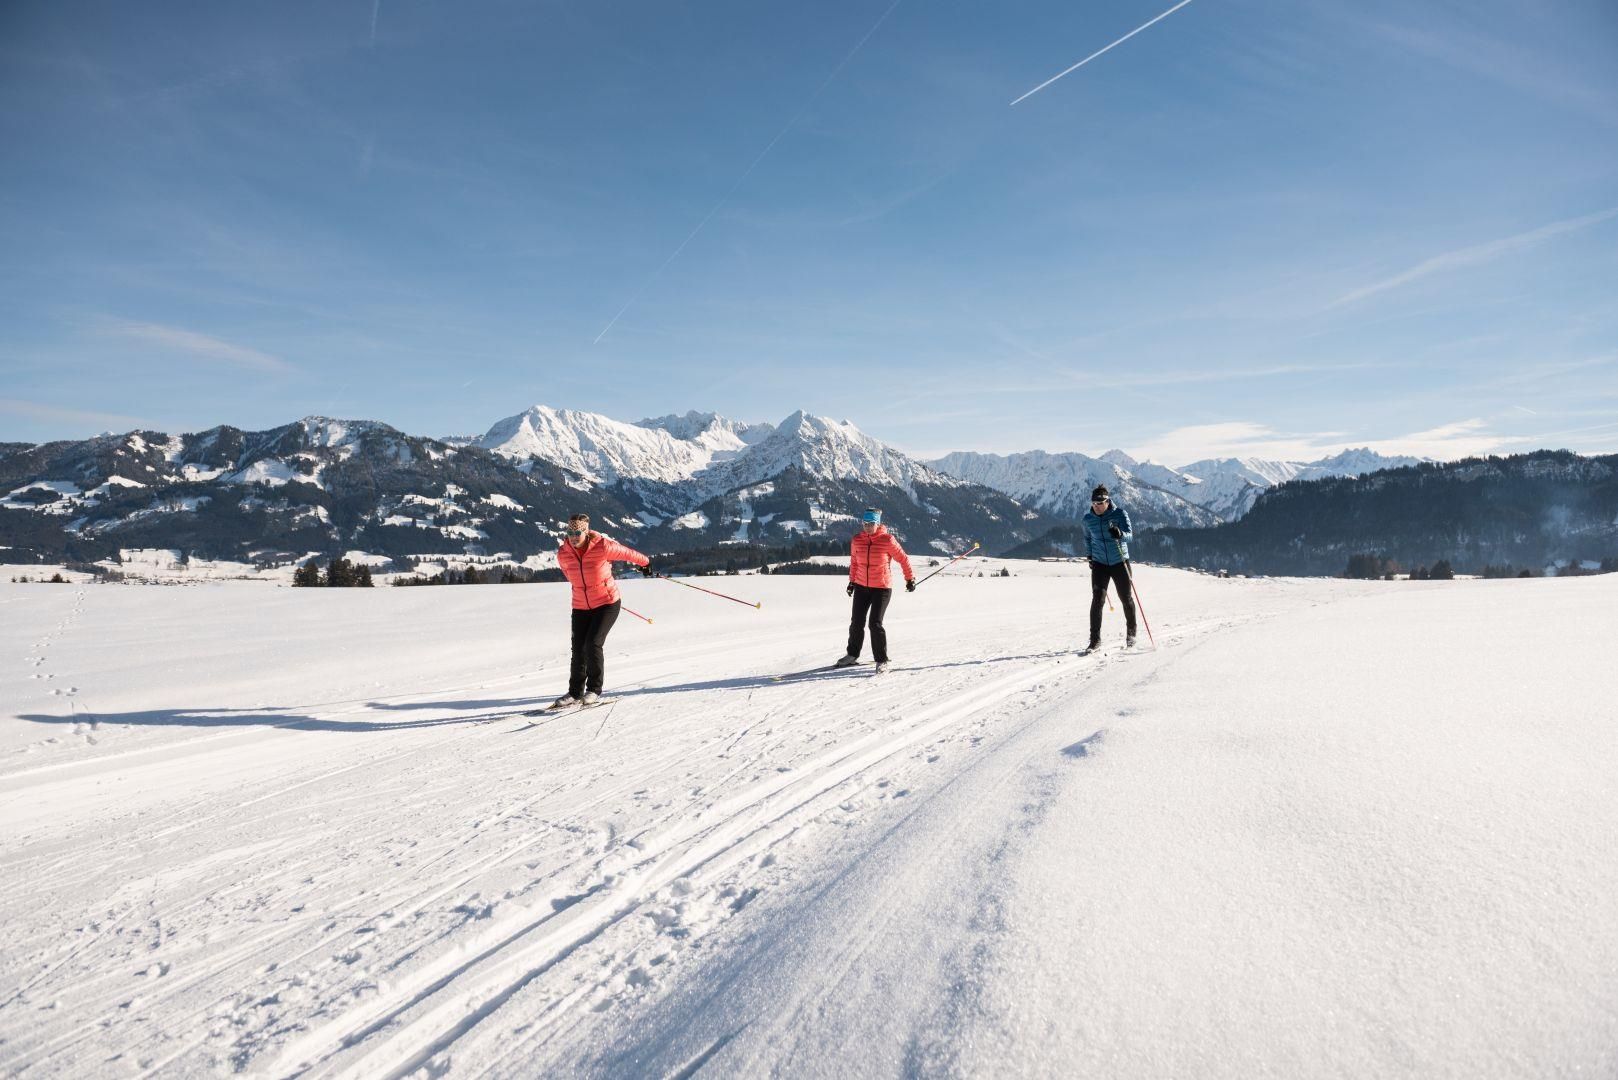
(949,564)
(1131,576)
(637,614)
(710,592)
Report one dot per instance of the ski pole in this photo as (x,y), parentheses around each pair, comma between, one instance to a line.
(710,592)
(630,611)
(1131,576)
(951,563)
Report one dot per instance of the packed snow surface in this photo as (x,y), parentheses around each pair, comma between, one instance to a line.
(1326,829)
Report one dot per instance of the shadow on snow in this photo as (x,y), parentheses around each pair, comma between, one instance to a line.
(206,717)
(484,710)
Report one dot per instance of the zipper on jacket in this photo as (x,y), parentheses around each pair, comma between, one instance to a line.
(584,581)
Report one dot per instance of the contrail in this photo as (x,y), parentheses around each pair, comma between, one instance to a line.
(1098,52)
(858,45)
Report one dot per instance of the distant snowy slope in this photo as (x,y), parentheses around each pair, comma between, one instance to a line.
(724,437)
(1354,463)
(700,477)
(1060,485)
(597,447)
(1231,485)
(826,449)
(712,453)
(1203,493)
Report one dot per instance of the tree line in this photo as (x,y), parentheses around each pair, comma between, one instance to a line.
(339,574)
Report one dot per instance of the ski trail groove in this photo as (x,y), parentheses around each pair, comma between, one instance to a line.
(511,955)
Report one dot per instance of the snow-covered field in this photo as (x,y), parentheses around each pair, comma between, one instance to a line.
(1327,829)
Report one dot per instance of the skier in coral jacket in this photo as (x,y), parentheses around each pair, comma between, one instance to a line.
(586,559)
(871,585)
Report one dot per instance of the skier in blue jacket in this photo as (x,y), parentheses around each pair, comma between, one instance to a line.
(1106,541)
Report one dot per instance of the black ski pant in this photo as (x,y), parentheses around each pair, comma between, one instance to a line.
(872,604)
(590,629)
(1118,575)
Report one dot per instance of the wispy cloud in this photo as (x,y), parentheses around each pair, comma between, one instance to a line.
(1234,438)
(1544,74)
(1476,255)
(887,206)
(1244,438)
(1463,438)
(1127,380)
(203,346)
(80,418)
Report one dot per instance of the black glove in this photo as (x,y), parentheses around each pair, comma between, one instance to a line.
(850,589)
(910,584)
(1117,533)
(646,571)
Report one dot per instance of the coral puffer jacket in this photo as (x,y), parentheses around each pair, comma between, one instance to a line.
(869,553)
(589,569)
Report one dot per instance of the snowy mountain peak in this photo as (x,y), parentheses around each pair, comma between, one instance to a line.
(831,450)
(683,460)
(328,434)
(1120,459)
(719,433)
(1061,483)
(1356,462)
(596,447)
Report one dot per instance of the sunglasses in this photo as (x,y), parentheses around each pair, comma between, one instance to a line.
(1098,502)
(577,532)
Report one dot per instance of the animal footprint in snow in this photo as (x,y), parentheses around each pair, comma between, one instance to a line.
(69,692)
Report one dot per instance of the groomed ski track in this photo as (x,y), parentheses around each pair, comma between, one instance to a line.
(351,856)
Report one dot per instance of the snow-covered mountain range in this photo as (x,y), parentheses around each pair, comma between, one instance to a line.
(1060,485)
(1202,493)
(674,463)
(674,483)
(688,483)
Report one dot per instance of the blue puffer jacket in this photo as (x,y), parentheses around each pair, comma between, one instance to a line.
(1098,542)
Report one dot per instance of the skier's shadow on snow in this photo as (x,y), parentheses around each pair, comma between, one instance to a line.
(484,704)
(487,709)
(759,682)
(204,717)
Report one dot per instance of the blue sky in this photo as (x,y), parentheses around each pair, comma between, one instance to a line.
(1253,228)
